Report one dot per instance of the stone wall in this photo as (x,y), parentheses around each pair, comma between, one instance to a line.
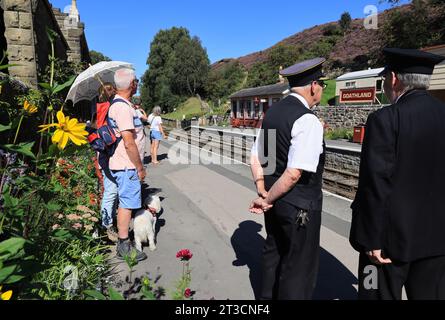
(20,39)
(345,116)
(73,32)
(43,19)
(342,160)
(27,44)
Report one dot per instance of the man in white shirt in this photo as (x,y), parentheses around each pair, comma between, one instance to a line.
(291,196)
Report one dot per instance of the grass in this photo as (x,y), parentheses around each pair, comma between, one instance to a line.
(329,93)
(191,108)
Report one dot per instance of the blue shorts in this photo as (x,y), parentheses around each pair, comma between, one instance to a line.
(156,135)
(129,187)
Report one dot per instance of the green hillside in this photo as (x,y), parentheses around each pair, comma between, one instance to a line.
(190,108)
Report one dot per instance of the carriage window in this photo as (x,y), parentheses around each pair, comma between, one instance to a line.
(379,85)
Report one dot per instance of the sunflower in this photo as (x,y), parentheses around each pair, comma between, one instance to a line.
(30,108)
(67,129)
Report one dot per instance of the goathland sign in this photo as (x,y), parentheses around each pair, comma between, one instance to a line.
(357,95)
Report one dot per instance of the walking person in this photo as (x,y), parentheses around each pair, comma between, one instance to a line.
(156,134)
(398,218)
(125,164)
(291,196)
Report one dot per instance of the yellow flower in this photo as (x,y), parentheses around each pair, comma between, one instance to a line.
(5,296)
(30,108)
(67,129)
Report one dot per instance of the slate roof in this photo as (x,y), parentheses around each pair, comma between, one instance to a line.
(274,89)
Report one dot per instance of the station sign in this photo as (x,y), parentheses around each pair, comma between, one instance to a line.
(357,95)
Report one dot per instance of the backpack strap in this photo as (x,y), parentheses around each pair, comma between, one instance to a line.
(109,108)
(112,127)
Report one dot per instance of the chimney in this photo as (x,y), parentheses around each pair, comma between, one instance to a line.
(280,77)
(74,12)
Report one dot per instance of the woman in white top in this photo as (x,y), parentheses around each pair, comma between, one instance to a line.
(156,134)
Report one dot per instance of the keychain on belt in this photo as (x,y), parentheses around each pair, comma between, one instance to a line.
(302,218)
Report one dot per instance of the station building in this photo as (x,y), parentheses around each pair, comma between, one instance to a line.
(360,88)
(437,88)
(249,105)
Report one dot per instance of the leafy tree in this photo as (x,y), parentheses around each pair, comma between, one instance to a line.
(265,73)
(191,67)
(224,81)
(97,57)
(178,68)
(345,21)
(419,26)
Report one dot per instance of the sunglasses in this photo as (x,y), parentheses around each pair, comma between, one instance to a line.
(322,84)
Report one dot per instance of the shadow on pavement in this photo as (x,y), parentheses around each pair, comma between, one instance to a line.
(335,281)
(161,157)
(248,246)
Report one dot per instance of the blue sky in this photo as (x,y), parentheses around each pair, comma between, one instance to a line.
(123,30)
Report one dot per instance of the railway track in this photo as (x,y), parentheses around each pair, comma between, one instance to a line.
(336,181)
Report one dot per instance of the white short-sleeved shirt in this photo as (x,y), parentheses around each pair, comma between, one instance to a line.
(306,144)
(155,123)
(150,118)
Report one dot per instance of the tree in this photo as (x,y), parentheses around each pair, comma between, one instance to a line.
(178,68)
(418,26)
(265,73)
(345,21)
(97,57)
(191,67)
(224,81)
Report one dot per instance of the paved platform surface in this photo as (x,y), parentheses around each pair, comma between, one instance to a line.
(205,209)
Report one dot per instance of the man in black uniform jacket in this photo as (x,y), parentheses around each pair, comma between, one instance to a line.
(290,147)
(398,223)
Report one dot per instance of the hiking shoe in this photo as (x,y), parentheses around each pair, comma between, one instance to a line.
(126,249)
(112,234)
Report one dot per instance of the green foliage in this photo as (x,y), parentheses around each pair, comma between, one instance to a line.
(337,134)
(178,68)
(48,205)
(97,57)
(321,48)
(345,21)
(11,257)
(183,283)
(191,67)
(63,71)
(224,81)
(265,73)
(419,26)
(332,30)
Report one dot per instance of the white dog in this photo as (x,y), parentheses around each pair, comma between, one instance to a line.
(144,225)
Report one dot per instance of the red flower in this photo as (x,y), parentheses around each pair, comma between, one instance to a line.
(188,293)
(184,255)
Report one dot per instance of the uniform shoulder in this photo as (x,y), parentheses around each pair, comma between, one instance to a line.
(383,112)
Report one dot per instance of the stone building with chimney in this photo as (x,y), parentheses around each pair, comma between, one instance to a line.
(23,35)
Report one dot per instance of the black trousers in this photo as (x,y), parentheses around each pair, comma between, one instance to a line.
(291,254)
(423,279)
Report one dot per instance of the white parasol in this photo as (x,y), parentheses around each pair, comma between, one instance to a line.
(87,84)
